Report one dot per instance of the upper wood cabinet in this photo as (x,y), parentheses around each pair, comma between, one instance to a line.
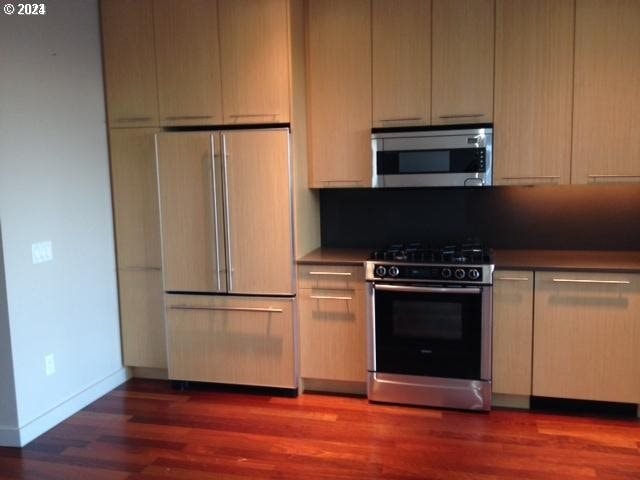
(606,107)
(254,43)
(512,332)
(188,60)
(339,92)
(587,336)
(463,51)
(401,62)
(129,63)
(533,91)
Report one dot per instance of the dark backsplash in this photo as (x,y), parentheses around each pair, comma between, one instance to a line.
(574,217)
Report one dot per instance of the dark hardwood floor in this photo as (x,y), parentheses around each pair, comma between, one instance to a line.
(144,430)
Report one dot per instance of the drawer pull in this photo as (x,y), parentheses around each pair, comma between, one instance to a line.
(227,309)
(329,297)
(188,117)
(514,279)
(406,119)
(462,115)
(602,282)
(252,115)
(337,274)
(132,119)
(533,177)
(613,176)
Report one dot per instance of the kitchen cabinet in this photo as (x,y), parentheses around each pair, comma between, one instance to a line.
(188,62)
(129,63)
(339,93)
(401,62)
(587,336)
(332,322)
(254,51)
(512,331)
(227,339)
(606,107)
(533,92)
(137,232)
(463,52)
(225,202)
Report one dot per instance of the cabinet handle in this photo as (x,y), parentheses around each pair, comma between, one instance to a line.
(215,209)
(463,115)
(329,297)
(534,177)
(339,274)
(602,282)
(357,182)
(612,176)
(228,309)
(514,279)
(188,117)
(406,119)
(140,269)
(253,115)
(132,119)
(226,208)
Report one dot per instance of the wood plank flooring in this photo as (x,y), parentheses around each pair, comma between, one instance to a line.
(144,430)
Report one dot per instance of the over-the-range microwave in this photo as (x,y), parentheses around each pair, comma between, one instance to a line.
(433,157)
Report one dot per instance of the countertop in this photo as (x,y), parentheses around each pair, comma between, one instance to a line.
(586,260)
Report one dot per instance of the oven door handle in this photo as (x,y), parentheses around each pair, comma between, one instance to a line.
(405,288)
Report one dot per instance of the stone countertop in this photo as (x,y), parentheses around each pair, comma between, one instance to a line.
(586,260)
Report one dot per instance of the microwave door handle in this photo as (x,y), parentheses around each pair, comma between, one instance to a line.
(410,289)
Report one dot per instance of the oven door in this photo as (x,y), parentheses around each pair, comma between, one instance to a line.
(430,331)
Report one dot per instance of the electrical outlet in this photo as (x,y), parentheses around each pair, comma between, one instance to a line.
(49,364)
(41,252)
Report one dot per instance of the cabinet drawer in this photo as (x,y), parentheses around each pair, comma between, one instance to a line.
(345,277)
(246,341)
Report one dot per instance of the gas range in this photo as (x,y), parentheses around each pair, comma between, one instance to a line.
(463,264)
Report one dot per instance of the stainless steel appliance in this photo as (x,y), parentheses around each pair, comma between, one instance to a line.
(433,158)
(429,326)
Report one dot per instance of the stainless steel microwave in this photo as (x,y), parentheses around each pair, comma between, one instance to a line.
(433,157)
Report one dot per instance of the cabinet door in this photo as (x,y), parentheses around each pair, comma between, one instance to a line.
(463,32)
(401,62)
(533,91)
(587,336)
(188,57)
(254,45)
(246,341)
(333,332)
(258,203)
(190,212)
(512,332)
(339,92)
(606,138)
(129,63)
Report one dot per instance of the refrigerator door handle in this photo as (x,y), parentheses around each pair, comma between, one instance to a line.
(215,210)
(227,219)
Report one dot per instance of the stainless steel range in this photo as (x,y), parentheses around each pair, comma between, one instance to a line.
(429,326)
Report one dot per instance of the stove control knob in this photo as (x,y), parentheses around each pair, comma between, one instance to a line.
(394,271)
(460,273)
(474,274)
(381,271)
(446,273)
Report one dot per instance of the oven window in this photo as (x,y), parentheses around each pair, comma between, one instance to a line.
(432,334)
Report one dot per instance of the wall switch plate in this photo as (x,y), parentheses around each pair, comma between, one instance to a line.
(41,252)
(49,364)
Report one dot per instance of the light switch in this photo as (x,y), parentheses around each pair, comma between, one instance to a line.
(41,252)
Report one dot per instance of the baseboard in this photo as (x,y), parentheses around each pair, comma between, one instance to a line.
(333,386)
(19,437)
(145,372)
(511,401)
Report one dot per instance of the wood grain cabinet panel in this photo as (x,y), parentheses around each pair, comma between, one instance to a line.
(463,52)
(606,107)
(237,340)
(512,331)
(254,44)
(401,62)
(587,336)
(129,63)
(533,91)
(339,93)
(188,62)
(332,325)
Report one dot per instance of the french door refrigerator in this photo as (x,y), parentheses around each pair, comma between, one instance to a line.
(227,255)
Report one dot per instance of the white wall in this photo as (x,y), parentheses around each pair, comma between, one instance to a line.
(54,185)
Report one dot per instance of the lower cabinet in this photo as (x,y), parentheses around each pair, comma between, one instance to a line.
(332,323)
(587,336)
(235,340)
(512,332)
